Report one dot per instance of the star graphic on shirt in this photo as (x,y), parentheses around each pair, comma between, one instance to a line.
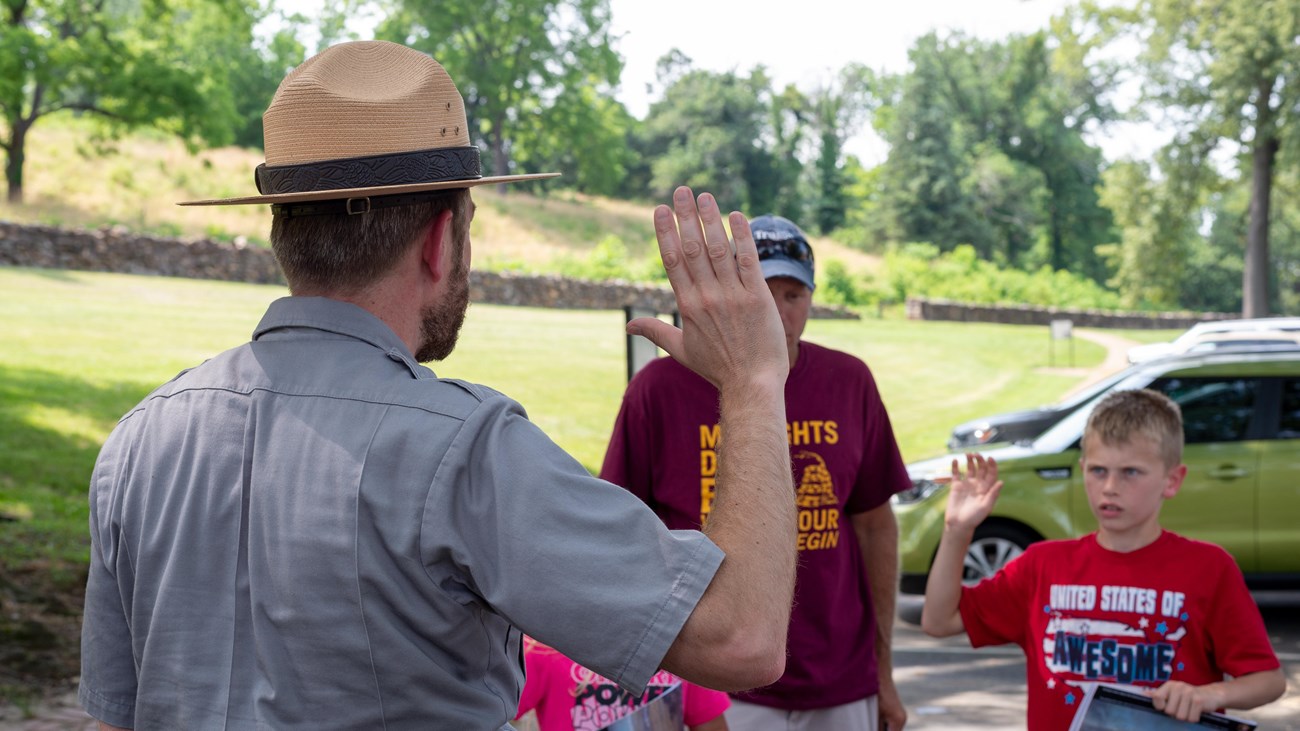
(1180,667)
(1047,609)
(1162,628)
(1069,699)
(1183,616)
(1051,683)
(1144,623)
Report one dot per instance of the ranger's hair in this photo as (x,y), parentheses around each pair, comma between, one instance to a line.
(1123,415)
(341,253)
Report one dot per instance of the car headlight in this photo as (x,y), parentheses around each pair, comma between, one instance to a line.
(982,434)
(921,489)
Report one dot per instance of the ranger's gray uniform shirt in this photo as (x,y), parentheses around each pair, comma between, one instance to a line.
(313,531)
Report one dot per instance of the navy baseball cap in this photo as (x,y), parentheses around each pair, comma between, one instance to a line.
(783,249)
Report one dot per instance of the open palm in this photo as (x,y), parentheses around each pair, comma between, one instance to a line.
(971,495)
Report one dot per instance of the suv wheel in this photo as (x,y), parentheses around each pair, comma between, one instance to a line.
(990,549)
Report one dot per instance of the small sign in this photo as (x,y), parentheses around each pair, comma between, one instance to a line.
(1062,329)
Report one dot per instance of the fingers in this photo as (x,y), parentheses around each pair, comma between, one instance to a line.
(716,242)
(980,471)
(670,248)
(694,254)
(694,235)
(749,268)
(1177,699)
(667,337)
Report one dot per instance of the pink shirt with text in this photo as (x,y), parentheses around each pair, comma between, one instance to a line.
(569,697)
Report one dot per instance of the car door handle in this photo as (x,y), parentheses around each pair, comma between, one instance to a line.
(1228,472)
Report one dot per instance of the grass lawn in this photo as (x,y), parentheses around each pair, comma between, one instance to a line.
(82,348)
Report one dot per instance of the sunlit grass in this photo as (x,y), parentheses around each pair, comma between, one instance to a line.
(82,348)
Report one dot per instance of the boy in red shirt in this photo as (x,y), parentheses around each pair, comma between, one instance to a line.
(1131,604)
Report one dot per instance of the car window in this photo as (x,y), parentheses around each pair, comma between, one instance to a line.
(1289,419)
(1215,409)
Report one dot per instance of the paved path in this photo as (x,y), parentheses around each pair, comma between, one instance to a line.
(1116,358)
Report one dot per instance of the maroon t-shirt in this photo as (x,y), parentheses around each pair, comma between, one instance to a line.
(845,461)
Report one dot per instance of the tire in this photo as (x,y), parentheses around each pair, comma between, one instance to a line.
(991,548)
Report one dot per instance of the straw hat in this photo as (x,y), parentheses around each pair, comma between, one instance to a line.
(361,119)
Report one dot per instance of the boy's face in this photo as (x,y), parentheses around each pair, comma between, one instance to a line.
(1126,485)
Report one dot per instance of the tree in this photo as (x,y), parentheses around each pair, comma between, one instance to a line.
(838,109)
(510,58)
(1157,227)
(600,163)
(987,147)
(126,63)
(710,130)
(1227,72)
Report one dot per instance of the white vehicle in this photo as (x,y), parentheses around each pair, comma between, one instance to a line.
(1282,332)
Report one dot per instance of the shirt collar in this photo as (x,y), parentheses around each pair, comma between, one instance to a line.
(340,318)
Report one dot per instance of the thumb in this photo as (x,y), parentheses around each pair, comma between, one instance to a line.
(657,331)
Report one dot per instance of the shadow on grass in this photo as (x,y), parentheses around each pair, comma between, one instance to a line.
(57,275)
(44,473)
(38,456)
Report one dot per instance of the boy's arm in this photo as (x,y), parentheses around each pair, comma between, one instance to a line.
(970,500)
(1186,702)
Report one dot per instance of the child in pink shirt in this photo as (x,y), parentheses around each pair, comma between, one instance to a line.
(569,697)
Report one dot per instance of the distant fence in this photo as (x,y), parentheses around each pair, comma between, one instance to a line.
(116,249)
(919,308)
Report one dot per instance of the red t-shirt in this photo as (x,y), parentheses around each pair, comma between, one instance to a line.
(569,697)
(1177,609)
(845,461)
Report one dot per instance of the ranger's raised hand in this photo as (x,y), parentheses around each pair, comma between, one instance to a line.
(731,333)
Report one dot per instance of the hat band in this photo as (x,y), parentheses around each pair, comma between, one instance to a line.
(403,168)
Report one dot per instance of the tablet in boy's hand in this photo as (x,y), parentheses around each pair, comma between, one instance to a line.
(1114,707)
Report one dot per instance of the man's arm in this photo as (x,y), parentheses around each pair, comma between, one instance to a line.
(970,500)
(877,533)
(1186,702)
(732,336)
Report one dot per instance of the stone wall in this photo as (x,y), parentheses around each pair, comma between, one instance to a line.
(118,250)
(919,308)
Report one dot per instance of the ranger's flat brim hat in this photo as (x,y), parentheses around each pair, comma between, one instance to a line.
(363,119)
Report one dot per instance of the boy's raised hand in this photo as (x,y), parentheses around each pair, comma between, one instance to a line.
(970,500)
(971,496)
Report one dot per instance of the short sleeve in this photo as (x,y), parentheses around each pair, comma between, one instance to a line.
(701,704)
(627,457)
(882,472)
(556,551)
(108,677)
(995,611)
(1238,639)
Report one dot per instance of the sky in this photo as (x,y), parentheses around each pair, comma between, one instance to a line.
(805,42)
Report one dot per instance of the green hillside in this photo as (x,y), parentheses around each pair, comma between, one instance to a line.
(136,182)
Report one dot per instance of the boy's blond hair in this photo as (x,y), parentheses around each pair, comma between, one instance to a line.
(1123,415)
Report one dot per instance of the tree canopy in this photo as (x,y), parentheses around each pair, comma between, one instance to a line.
(515,58)
(127,63)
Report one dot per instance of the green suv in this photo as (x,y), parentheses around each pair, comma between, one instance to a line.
(1241,421)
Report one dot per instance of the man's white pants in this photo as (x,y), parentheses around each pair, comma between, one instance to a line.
(857,716)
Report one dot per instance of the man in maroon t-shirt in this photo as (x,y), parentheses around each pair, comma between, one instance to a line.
(846,466)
